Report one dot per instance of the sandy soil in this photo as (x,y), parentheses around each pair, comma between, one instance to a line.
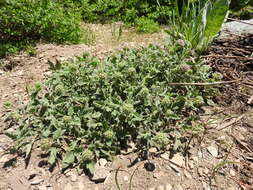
(220,158)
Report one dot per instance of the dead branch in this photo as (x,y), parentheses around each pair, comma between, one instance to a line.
(206,84)
(227,56)
(240,21)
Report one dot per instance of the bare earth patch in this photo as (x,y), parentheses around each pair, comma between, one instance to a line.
(220,158)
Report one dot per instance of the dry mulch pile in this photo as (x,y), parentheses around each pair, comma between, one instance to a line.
(234,60)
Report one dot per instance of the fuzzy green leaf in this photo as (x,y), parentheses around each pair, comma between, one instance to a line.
(52,155)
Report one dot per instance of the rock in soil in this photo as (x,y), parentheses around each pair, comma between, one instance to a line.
(178,160)
(213,151)
(100,174)
(37,181)
(165,156)
(236,28)
(102,162)
(168,186)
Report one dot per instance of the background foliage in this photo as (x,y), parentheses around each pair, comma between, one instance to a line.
(25,21)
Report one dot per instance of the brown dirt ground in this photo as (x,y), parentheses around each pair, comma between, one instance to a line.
(228,125)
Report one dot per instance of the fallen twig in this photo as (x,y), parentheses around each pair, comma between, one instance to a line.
(241,184)
(206,84)
(240,21)
(241,143)
(233,34)
(228,124)
(227,56)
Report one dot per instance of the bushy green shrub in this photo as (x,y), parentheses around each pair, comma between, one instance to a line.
(22,21)
(237,5)
(89,109)
(127,10)
(242,9)
(146,25)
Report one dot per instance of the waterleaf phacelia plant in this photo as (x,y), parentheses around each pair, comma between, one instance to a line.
(90,109)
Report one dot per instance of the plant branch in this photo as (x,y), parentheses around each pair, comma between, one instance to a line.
(227,56)
(240,21)
(206,84)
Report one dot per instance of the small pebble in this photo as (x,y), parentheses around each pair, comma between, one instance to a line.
(37,181)
(232,172)
(165,156)
(168,186)
(102,162)
(153,150)
(175,168)
(213,151)
(206,171)
(125,178)
(187,174)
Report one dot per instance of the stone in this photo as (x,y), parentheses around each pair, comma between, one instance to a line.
(125,178)
(178,160)
(153,150)
(235,28)
(213,151)
(175,168)
(232,172)
(100,174)
(4,158)
(157,175)
(68,173)
(102,162)
(36,181)
(221,138)
(206,171)
(187,174)
(168,186)
(191,165)
(200,155)
(165,156)
(195,158)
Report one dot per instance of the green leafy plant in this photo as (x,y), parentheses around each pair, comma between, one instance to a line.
(146,25)
(126,11)
(237,5)
(242,9)
(198,22)
(25,21)
(90,109)
(7,105)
